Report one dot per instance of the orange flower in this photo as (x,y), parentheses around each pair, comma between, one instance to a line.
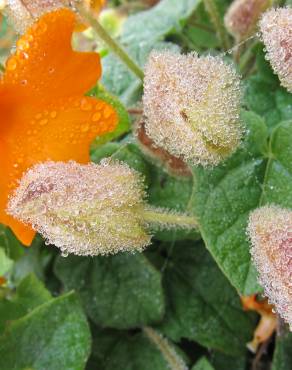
(44,115)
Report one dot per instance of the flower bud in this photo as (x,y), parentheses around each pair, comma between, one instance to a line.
(83,209)
(242,17)
(276,30)
(270,231)
(191,106)
(23,13)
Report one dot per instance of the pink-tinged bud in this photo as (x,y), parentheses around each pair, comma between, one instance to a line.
(276,29)
(192,106)
(242,17)
(270,231)
(22,13)
(83,209)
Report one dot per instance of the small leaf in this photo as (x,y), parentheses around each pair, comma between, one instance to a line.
(203,364)
(13,248)
(124,123)
(201,304)
(54,335)
(121,291)
(277,188)
(5,262)
(29,294)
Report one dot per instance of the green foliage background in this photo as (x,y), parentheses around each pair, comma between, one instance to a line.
(74,313)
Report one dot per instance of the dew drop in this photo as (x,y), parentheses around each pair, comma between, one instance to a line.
(22,44)
(43,122)
(85,128)
(96,117)
(85,105)
(107,112)
(11,64)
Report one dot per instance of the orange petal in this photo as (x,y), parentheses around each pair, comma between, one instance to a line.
(59,131)
(44,65)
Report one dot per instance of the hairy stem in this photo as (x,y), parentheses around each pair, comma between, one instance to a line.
(169,354)
(112,44)
(213,12)
(168,219)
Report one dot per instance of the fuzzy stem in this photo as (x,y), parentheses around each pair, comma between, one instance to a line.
(169,354)
(212,10)
(112,44)
(247,57)
(164,217)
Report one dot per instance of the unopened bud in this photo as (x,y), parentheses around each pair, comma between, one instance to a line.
(276,32)
(23,13)
(192,106)
(242,17)
(270,231)
(83,209)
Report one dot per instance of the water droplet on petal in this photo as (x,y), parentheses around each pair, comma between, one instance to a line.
(11,64)
(96,117)
(43,122)
(85,105)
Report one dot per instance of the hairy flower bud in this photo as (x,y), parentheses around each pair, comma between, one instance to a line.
(191,106)
(276,30)
(270,231)
(83,209)
(23,13)
(242,17)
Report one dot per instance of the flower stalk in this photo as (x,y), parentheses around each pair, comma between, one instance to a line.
(156,216)
(213,12)
(112,44)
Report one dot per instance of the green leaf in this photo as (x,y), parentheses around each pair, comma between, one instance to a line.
(221,361)
(277,187)
(13,248)
(223,198)
(203,364)
(125,152)
(282,359)
(54,335)
(29,294)
(119,351)
(33,260)
(5,262)
(265,96)
(201,304)
(124,123)
(166,17)
(121,291)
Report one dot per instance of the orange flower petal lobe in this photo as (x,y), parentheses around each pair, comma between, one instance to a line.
(44,65)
